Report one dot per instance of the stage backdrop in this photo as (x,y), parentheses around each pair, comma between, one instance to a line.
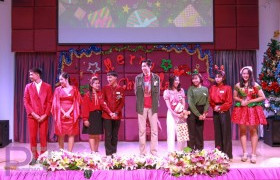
(82,62)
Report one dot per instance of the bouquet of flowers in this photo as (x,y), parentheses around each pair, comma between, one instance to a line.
(189,162)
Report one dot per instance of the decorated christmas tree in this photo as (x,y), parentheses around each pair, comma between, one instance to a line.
(270,76)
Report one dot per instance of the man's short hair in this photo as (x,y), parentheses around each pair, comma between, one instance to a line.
(148,62)
(36,70)
(112,73)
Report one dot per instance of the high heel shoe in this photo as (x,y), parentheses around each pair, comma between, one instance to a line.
(254,159)
(244,157)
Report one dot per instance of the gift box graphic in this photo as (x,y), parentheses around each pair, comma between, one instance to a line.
(101,19)
(189,17)
(80,13)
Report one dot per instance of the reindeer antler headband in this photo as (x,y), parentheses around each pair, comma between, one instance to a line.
(220,70)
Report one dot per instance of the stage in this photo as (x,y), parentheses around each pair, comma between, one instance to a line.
(267,166)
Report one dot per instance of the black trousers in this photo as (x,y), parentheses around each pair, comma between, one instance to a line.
(195,127)
(222,127)
(111,128)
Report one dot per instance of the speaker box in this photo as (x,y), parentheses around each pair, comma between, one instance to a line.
(271,131)
(4,133)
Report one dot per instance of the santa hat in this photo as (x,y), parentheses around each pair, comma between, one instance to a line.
(246,67)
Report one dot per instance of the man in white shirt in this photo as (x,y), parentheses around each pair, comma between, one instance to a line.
(37,102)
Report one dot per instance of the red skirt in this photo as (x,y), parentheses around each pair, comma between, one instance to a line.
(68,126)
(248,115)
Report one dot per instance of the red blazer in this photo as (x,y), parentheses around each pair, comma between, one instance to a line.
(221,95)
(89,105)
(39,103)
(114,98)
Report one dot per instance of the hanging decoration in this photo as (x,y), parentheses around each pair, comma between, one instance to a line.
(132,57)
(93,70)
(83,88)
(108,65)
(276,34)
(178,72)
(66,57)
(185,68)
(120,59)
(196,70)
(166,64)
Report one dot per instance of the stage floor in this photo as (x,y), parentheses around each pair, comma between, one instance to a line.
(268,156)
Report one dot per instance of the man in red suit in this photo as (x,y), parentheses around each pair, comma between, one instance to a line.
(114,98)
(37,102)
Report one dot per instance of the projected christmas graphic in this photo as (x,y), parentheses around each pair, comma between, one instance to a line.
(136,14)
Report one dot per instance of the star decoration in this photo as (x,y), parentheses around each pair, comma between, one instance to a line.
(166,64)
(126,8)
(89,1)
(157,4)
(95,69)
(276,34)
(170,20)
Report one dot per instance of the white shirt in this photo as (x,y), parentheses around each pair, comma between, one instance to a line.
(38,86)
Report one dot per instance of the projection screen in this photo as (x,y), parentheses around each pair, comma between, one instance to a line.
(135,21)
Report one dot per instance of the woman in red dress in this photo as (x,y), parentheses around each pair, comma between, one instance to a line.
(66,112)
(92,106)
(248,112)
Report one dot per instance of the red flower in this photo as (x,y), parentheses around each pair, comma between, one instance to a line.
(264,84)
(178,72)
(270,88)
(277,90)
(274,85)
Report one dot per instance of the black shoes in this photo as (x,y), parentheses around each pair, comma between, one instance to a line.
(33,162)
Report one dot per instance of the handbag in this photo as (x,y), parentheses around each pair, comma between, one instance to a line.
(182,132)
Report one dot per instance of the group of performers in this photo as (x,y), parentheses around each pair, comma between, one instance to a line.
(101,110)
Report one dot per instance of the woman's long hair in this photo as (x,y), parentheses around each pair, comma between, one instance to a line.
(251,81)
(171,83)
(66,76)
(91,81)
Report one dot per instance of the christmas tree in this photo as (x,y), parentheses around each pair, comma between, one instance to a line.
(270,76)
